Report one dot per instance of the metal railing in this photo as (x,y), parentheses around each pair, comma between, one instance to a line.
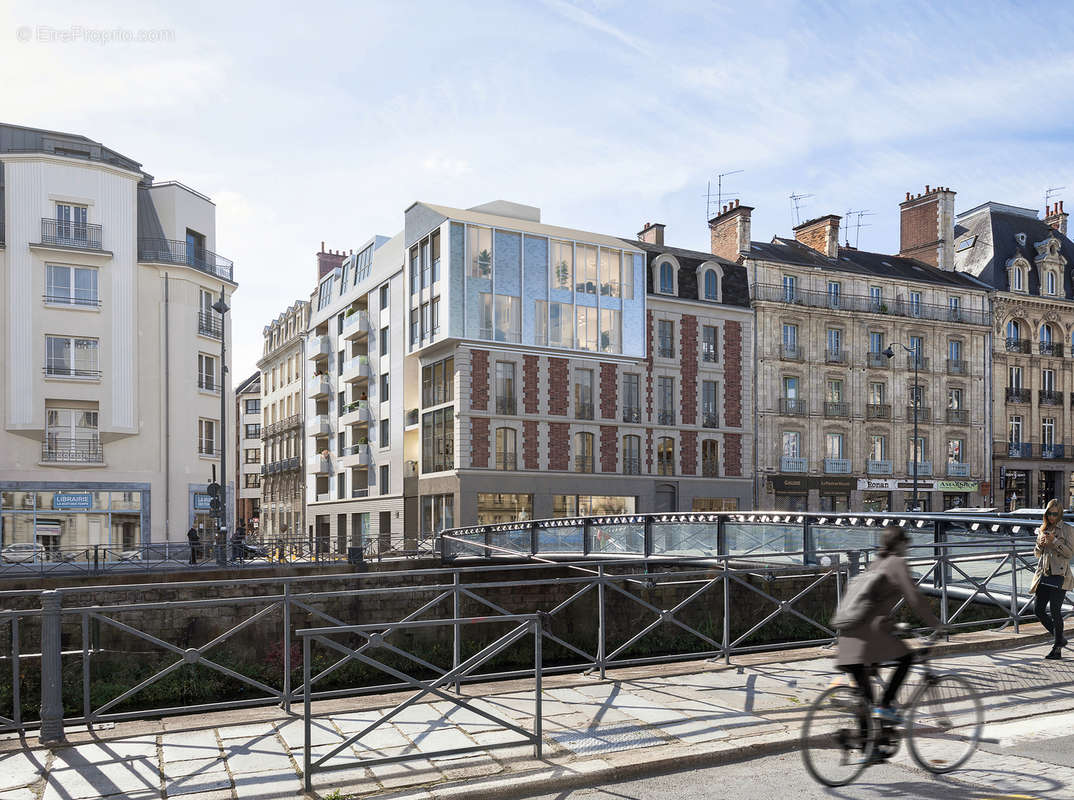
(293,421)
(923,413)
(790,352)
(1017,345)
(710,419)
(1050,348)
(81,235)
(1018,395)
(583,411)
(835,356)
(583,463)
(505,405)
(506,461)
(1049,397)
(665,350)
(958,416)
(631,414)
(172,251)
(72,451)
(665,417)
(866,303)
(793,464)
(877,361)
(708,353)
(792,406)
(837,466)
(631,466)
(836,409)
(1015,449)
(67,371)
(210,324)
(878,411)
(879,467)
(957,366)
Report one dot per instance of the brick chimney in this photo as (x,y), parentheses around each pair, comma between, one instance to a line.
(820,234)
(328,260)
(730,230)
(1056,217)
(927,227)
(652,233)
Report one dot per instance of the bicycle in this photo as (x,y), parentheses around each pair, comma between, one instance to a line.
(944,719)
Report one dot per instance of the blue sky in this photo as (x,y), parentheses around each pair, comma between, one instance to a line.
(322,121)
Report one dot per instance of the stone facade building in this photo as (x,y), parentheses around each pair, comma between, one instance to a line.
(247,453)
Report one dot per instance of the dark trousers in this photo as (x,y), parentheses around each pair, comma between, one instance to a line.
(860,674)
(193,554)
(1050,598)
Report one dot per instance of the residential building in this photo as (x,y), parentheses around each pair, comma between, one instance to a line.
(110,359)
(1025,259)
(283,477)
(835,415)
(247,454)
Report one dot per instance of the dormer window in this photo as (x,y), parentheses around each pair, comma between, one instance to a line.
(1021,239)
(1050,283)
(710,284)
(1017,270)
(666,272)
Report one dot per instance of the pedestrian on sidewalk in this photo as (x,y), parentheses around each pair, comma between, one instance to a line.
(194,539)
(1053,579)
(873,641)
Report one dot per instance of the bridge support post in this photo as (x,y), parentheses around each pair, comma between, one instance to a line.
(456,646)
(601,638)
(51,669)
(1015,610)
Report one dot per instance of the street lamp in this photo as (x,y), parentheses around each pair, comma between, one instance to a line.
(916,357)
(221,308)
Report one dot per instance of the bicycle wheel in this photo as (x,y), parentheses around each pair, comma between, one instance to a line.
(837,737)
(943,727)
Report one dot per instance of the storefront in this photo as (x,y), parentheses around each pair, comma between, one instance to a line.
(1015,484)
(791,491)
(834,493)
(62,519)
(882,494)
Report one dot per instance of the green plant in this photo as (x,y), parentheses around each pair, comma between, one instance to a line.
(335,794)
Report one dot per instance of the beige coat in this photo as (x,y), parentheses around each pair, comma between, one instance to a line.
(1053,558)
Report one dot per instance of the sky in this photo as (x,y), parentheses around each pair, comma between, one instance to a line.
(310,122)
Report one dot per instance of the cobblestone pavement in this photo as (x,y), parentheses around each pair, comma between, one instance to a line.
(655,718)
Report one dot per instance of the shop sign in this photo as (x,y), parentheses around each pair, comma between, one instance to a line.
(956,486)
(790,483)
(795,484)
(202,502)
(828,485)
(78,501)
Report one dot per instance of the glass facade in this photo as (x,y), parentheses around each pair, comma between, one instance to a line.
(67,524)
(494,508)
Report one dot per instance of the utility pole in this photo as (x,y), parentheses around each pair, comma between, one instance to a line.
(916,356)
(221,307)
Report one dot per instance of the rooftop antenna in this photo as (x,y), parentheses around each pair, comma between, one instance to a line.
(1049,194)
(857,224)
(719,192)
(797,200)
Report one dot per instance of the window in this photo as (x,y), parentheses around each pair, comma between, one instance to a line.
(252,480)
(954,306)
(955,448)
(1046,334)
(253,406)
(1014,429)
(253,431)
(954,350)
(435,245)
(1016,279)
(72,357)
(415,269)
(1050,282)
(437,513)
(876,342)
(494,508)
(540,322)
(709,416)
(505,387)
(325,295)
(480,252)
(384,341)
(384,388)
(878,447)
(385,296)
(71,285)
(790,289)
(609,331)
(631,407)
(665,456)
(876,297)
(561,325)
(667,277)
(485,310)
(835,290)
(835,344)
(790,339)
(918,449)
(583,452)
(710,458)
(505,448)
(508,319)
(877,393)
(207,437)
(711,292)
(587,328)
(434,313)
(666,338)
(628,276)
(426,321)
(833,445)
(916,396)
(253,455)
(438,445)
(665,395)
(1014,331)
(586,262)
(583,393)
(1047,380)
(71,227)
(709,351)
(438,383)
(915,304)
(71,433)
(1047,431)
(792,444)
(632,455)
(562,256)
(207,373)
(609,272)
(954,398)
(385,433)
(790,387)
(835,391)
(384,475)
(1014,377)
(426,266)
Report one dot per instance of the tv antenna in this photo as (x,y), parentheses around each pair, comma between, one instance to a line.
(797,200)
(719,193)
(857,224)
(1049,194)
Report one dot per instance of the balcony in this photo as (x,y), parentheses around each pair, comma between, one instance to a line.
(60,370)
(867,304)
(320,425)
(881,467)
(793,464)
(836,409)
(665,418)
(170,251)
(877,361)
(77,235)
(293,421)
(507,461)
(583,463)
(355,325)
(357,455)
(55,450)
(411,418)
(792,406)
(585,411)
(957,366)
(1015,395)
(878,411)
(837,466)
(1051,451)
(319,387)
(790,352)
(920,363)
(631,414)
(207,383)
(289,464)
(323,497)
(958,416)
(835,356)
(210,324)
(356,370)
(507,406)
(320,464)
(1051,349)
(1019,450)
(632,466)
(319,347)
(1017,345)
(956,469)
(710,419)
(1049,397)
(923,468)
(710,468)
(355,413)
(923,413)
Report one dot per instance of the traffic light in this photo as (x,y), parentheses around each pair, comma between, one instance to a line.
(214,489)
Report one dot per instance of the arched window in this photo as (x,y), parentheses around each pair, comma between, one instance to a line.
(667,278)
(631,455)
(1014,330)
(1016,278)
(1050,283)
(583,452)
(665,456)
(1046,334)
(710,284)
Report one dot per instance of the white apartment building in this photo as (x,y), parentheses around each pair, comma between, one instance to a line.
(110,349)
(247,453)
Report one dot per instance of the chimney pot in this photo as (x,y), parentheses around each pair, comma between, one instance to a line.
(926,188)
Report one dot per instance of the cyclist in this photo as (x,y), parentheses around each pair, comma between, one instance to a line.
(873,641)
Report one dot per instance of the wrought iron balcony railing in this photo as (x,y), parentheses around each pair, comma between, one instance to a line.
(1017,345)
(708,353)
(920,362)
(956,469)
(878,411)
(505,405)
(1051,349)
(583,463)
(1051,451)
(631,414)
(1049,397)
(208,384)
(710,468)
(923,413)
(835,356)
(790,352)
(665,418)
(957,366)
(1019,449)
(583,411)
(877,360)
(1016,395)
(792,406)
(172,251)
(866,303)
(506,461)
(710,419)
(81,235)
(958,416)
(836,409)
(72,451)
(632,466)
(69,371)
(210,324)
(923,468)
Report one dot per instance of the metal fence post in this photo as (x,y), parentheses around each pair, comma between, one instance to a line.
(51,669)
(287,647)
(601,638)
(809,550)
(585,536)
(943,584)
(538,667)
(648,536)
(96,558)
(726,613)
(456,647)
(721,536)
(1015,609)
(306,714)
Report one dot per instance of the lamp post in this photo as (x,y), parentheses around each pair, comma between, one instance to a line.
(916,356)
(221,308)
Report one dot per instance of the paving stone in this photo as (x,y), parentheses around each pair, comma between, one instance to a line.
(474,766)
(386,735)
(268,786)
(429,740)
(187,745)
(597,741)
(322,731)
(260,756)
(464,718)
(136,779)
(106,752)
(202,775)
(255,730)
(404,773)
(21,769)
(17,794)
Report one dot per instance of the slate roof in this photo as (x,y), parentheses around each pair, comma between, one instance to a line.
(735,283)
(860,262)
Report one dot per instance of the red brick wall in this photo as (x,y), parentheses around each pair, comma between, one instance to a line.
(732,454)
(732,390)
(609,448)
(559,444)
(918,234)
(688,452)
(479,380)
(688,365)
(529,443)
(559,388)
(529,384)
(649,365)
(479,441)
(609,390)
(649,450)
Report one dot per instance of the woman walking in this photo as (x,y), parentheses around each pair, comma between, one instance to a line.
(1053,579)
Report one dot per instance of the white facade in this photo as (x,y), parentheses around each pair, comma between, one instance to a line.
(247,454)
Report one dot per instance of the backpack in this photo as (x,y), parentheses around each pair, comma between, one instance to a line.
(858,601)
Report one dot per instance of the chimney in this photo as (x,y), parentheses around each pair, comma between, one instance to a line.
(327,261)
(927,227)
(1055,217)
(820,234)
(652,233)
(730,231)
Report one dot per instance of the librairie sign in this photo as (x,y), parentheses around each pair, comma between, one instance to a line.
(899,484)
(72,500)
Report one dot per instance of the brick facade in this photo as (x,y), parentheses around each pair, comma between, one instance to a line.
(649,367)
(559,442)
(529,443)
(479,381)
(688,366)
(688,452)
(558,386)
(479,441)
(529,386)
(732,454)
(609,448)
(609,390)
(732,353)
(649,450)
